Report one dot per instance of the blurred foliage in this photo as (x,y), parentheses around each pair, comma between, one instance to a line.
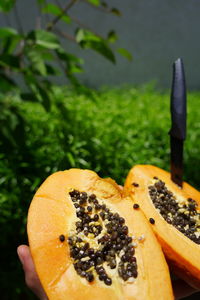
(37,56)
(107,131)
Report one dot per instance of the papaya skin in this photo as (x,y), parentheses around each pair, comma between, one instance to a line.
(52,213)
(182,254)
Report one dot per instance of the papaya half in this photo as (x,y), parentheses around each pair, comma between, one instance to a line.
(174,214)
(87,242)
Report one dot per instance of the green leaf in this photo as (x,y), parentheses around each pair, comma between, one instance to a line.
(6,84)
(51,70)
(6,5)
(116,12)
(104,4)
(44,89)
(88,39)
(41,1)
(8,60)
(112,36)
(102,48)
(10,43)
(75,68)
(51,9)
(56,11)
(66,19)
(71,159)
(94,2)
(83,35)
(37,62)
(8,32)
(67,57)
(44,39)
(29,97)
(125,53)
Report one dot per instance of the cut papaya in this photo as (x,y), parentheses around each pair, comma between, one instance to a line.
(174,214)
(87,242)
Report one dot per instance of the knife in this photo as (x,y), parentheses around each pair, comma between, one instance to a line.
(178,119)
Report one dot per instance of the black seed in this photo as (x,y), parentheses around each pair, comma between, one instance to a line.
(125,229)
(62,238)
(121,220)
(116,216)
(86,246)
(79,240)
(89,208)
(123,258)
(133,259)
(119,246)
(79,214)
(97,206)
(152,221)
(99,260)
(102,277)
(83,274)
(100,270)
(135,273)
(135,206)
(70,240)
(114,235)
(102,215)
(103,207)
(89,276)
(129,239)
(112,264)
(135,184)
(96,217)
(79,224)
(108,281)
(90,251)
(83,195)
(92,196)
(74,193)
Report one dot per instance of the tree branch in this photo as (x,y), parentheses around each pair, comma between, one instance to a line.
(57,18)
(85,26)
(64,34)
(18,19)
(100,8)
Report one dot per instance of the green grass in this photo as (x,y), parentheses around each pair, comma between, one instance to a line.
(107,131)
(110,131)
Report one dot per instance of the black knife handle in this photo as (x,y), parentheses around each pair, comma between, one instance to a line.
(178,101)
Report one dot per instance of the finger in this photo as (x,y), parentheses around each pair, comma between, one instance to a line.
(31,277)
(182,289)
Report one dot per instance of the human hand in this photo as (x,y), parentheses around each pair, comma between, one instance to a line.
(180,287)
(31,278)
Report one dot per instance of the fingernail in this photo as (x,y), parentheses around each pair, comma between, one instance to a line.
(20,256)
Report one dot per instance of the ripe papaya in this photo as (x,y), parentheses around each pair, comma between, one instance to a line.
(174,214)
(88,242)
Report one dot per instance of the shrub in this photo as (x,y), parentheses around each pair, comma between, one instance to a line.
(107,131)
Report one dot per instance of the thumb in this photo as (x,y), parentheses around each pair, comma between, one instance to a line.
(31,277)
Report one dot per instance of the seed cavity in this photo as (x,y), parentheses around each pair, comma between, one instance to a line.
(100,246)
(182,213)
